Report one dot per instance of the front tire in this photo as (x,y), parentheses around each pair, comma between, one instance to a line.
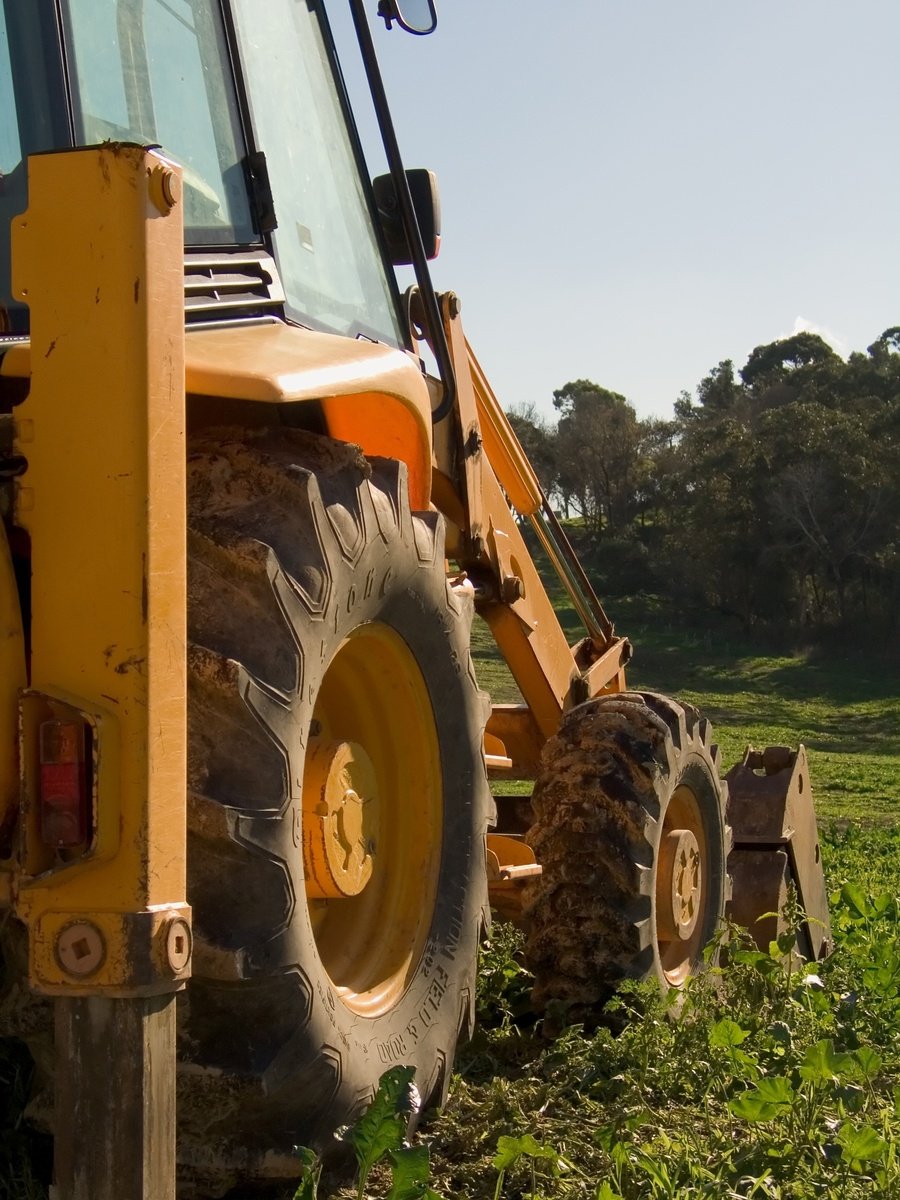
(629,826)
(338,797)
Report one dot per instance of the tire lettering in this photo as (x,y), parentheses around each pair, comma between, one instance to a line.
(431,1005)
(327,1001)
(370,583)
(393,1049)
(387,581)
(454,933)
(351,599)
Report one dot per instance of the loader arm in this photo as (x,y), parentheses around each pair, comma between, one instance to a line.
(485,485)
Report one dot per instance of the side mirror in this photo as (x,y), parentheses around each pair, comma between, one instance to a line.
(415,16)
(426,202)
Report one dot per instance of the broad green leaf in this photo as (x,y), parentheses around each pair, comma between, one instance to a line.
(510,1150)
(606,1136)
(312,1170)
(860,1143)
(855,899)
(382,1128)
(410,1166)
(823,1064)
(769,1099)
(605,1192)
(763,964)
(883,903)
(868,1060)
(726,1033)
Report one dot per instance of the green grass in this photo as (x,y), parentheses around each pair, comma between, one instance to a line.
(776,1080)
(844,707)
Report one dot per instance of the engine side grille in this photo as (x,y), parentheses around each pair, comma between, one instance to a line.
(231,284)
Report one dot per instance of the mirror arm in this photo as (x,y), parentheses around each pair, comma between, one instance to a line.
(432,312)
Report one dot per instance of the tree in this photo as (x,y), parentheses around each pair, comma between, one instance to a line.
(599,454)
(783,499)
(537,437)
(776,360)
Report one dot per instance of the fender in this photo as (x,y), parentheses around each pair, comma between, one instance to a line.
(369,394)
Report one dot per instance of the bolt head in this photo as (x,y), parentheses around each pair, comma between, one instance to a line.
(512,589)
(80,949)
(164,187)
(179,942)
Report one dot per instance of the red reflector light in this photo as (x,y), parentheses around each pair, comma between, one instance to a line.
(64,799)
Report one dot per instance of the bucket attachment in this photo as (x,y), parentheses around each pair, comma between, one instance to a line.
(776,843)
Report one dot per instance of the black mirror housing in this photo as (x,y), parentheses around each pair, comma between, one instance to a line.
(415,16)
(423,190)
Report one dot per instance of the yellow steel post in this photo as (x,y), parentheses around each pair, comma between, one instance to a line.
(98,259)
(12,678)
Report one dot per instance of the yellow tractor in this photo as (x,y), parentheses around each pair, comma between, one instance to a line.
(247,836)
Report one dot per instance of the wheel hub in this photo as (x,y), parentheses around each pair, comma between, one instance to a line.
(679,885)
(340,819)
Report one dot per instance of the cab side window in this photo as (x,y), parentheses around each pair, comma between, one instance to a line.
(11,180)
(32,118)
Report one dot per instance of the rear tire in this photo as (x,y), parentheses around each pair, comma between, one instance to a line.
(338,801)
(629,826)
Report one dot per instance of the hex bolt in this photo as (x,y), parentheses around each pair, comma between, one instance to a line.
(512,589)
(80,949)
(179,942)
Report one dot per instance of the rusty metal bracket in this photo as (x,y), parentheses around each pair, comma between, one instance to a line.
(776,842)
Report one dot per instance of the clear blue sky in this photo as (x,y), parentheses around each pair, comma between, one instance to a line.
(633,191)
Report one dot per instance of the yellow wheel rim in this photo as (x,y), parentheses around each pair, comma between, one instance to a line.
(681,886)
(372,819)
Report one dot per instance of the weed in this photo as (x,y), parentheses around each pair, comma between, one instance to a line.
(773,1082)
(380,1135)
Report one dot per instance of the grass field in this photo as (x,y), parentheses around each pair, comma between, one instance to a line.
(844,708)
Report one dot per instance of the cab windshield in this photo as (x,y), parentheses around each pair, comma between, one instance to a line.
(327,249)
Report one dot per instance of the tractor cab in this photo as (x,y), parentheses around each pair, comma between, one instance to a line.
(279,218)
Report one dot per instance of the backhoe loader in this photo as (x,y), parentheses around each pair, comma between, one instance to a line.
(252,497)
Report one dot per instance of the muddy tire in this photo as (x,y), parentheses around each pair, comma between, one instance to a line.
(629,825)
(338,801)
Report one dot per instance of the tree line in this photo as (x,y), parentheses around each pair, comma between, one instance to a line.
(773,493)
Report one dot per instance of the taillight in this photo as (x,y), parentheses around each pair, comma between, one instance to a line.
(64,790)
